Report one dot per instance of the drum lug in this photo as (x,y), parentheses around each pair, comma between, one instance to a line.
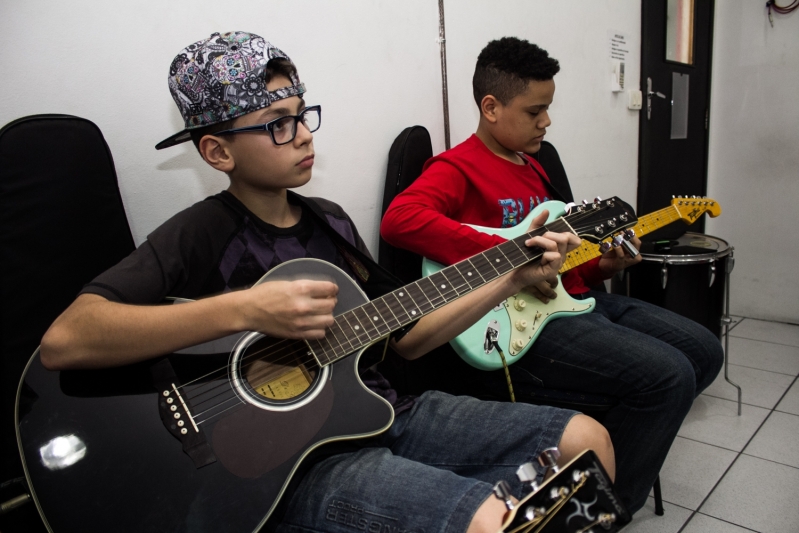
(664,275)
(731,260)
(712,274)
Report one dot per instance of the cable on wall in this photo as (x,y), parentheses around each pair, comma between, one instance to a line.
(771,5)
(442,41)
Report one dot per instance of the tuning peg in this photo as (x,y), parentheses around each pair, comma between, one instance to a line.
(527,475)
(597,200)
(629,234)
(502,491)
(568,207)
(604,247)
(549,459)
(629,248)
(585,202)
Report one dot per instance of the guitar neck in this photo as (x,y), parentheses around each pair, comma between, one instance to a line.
(374,320)
(646,224)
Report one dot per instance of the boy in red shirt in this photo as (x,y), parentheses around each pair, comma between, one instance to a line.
(653,361)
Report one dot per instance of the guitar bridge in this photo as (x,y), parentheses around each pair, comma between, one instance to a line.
(175,413)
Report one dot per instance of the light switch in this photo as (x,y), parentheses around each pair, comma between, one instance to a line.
(635,99)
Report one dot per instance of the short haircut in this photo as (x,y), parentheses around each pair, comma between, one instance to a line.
(276,67)
(505,66)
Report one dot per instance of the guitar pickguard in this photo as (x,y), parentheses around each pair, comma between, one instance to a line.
(527,315)
(519,324)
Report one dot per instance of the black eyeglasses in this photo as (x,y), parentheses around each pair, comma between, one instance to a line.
(284,129)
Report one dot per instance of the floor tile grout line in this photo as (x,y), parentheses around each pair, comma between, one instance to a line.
(761,340)
(735,460)
(736,401)
(762,370)
(727,522)
(793,375)
(709,444)
(771,461)
(764,320)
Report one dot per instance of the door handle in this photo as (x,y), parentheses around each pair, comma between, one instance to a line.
(649,94)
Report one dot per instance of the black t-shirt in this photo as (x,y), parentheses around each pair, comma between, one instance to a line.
(218,245)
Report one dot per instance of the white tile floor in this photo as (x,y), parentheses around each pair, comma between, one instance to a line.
(732,474)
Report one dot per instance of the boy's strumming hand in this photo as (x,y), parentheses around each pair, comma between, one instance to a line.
(290,309)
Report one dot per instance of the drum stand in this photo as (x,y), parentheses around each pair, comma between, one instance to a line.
(726,321)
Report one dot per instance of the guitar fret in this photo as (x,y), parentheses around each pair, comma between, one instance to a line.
(497,261)
(471,280)
(395,307)
(331,331)
(365,323)
(406,300)
(420,298)
(318,352)
(430,291)
(391,319)
(356,323)
(377,320)
(459,285)
(442,285)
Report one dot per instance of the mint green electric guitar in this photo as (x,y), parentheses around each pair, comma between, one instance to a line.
(517,322)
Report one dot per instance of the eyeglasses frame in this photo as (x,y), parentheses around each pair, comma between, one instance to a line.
(269,126)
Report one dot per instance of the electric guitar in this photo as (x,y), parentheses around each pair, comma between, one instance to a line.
(207,439)
(517,322)
(577,498)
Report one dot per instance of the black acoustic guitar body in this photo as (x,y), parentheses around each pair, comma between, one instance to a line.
(103,451)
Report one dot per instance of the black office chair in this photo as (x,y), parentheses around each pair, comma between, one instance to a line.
(62,223)
(443,369)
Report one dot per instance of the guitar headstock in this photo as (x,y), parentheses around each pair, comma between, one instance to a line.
(579,497)
(692,208)
(594,221)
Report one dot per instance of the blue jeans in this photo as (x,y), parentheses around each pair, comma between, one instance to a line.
(429,472)
(653,361)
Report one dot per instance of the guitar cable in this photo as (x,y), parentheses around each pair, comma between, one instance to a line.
(493,339)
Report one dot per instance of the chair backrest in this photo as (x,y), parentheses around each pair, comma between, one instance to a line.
(406,158)
(62,223)
(550,161)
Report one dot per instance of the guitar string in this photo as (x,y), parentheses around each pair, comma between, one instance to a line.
(434,302)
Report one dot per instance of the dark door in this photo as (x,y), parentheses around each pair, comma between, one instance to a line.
(676,38)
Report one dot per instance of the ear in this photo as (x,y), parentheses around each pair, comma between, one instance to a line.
(489,108)
(216,153)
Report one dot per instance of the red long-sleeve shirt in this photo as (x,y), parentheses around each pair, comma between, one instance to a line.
(469,184)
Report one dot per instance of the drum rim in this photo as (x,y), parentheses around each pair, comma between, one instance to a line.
(691,258)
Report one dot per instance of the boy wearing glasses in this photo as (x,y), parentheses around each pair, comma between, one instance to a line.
(241,99)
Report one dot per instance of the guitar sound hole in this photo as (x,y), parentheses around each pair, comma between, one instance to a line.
(278,370)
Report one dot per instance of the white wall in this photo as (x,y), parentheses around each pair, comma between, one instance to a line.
(373,65)
(753,168)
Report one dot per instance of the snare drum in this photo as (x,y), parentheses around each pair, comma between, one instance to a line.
(687,275)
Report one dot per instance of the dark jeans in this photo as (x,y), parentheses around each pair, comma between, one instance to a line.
(653,361)
(429,472)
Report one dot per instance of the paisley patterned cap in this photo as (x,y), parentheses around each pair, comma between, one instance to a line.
(222,77)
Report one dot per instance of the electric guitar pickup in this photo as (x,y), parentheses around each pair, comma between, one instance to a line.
(517,322)
(576,498)
(207,439)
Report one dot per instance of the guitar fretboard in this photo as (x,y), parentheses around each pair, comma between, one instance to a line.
(374,320)
(646,224)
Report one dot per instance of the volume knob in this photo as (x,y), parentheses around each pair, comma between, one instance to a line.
(519,304)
